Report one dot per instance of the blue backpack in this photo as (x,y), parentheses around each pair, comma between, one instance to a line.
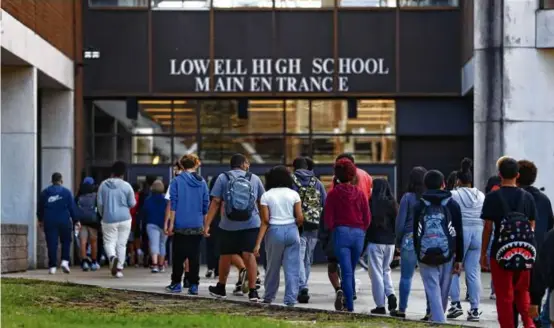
(87,209)
(435,234)
(239,197)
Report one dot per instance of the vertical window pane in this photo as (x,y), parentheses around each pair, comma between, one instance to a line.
(260,150)
(183,145)
(148,149)
(429,3)
(369,3)
(329,116)
(367,149)
(104,150)
(373,116)
(304,3)
(118,3)
(297,146)
(243,3)
(298,116)
(181,4)
(184,116)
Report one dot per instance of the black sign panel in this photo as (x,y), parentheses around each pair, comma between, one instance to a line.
(180,50)
(119,42)
(367,50)
(304,52)
(430,51)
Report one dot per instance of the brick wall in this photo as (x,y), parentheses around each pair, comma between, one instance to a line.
(14,247)
(53,20)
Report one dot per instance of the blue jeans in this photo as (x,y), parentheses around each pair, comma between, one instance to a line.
(472,253)
(53,232)
(349,244)
(408,263)
(308,241)
(545,313)
(157,239)
(437,280)
(282,246)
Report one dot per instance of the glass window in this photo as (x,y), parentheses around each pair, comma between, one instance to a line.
(368,3)
(297,146)
(149,149)
(225,116)
(104,151)
(260,150)
(183,145)
(368,149)
(304,3)
(547,4)
(118,3)
(243,3)
(298,116)
(181,4)
(148,119)
(428,3)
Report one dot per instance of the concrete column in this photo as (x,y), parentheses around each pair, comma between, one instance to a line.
(57,137)
(19,150)
(514,111)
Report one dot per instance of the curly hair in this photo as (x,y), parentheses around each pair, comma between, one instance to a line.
(527,173)
(189,161)
(345,170)
(278,177)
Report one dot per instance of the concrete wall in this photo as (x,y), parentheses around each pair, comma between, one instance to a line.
(513,100)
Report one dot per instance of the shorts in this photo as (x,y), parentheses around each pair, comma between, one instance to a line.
(87,233)
(237,242)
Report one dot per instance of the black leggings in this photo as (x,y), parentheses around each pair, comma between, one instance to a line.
(186,247)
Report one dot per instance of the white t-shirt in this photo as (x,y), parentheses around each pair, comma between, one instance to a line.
(280,202)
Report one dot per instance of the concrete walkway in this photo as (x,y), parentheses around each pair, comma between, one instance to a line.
(320,289)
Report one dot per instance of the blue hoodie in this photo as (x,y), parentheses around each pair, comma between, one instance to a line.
(190,200)
(56,206)
(154,209)
(405,216)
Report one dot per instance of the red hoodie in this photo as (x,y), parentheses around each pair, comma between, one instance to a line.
(347,206)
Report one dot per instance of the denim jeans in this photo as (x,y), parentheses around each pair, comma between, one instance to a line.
(157,240)
(349,243)
(545,313)
(437,280)
(282,246)
(472,253)
(308,241)
(379,260)
(408,263)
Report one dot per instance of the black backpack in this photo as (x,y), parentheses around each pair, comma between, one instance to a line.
(87,209)
(516,248)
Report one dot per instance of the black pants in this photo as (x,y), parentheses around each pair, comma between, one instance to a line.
(186,247)
(212,251)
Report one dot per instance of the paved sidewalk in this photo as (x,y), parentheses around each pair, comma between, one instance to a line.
(320,289)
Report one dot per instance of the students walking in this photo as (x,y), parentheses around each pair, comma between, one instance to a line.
(312,193)
(189,205)
(115,200)
(512,211)
(380,248)
(404,236)
(281,214)
(543,280)
(55,212)
(347,216)
(471,203)
(240,192)
(90,223)
(153,212)
(438,241)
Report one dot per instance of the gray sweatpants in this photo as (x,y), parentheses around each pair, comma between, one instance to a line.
(379,260)
(437,281)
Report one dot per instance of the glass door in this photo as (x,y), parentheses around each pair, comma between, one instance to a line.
(138,173)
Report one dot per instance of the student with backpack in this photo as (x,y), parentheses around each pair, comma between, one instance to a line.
(281,214)
(56,214)
(512,211)
(90,223)
(438,242)
(347,217)
(471,203)
(153,213)
(312,194)
(240,191)
(380,248)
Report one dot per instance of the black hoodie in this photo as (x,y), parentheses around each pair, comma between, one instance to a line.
(435,197)
(545,218)
(543,270)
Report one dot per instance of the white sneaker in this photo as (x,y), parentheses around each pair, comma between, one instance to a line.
(65,266)
(119,274)
(52,270)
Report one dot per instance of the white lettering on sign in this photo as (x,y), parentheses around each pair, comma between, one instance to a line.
(275,75)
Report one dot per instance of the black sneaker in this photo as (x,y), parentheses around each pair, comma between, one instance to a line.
(397,314)
(218,291)
(393,303)
(473,315)
(379,310)
(339,300)
(253,296)
(303,296)
(454,311)
(238,289)
(209,273)
(258,282)
(427,317)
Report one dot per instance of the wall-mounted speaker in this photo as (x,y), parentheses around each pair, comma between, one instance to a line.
(132,108)
(242,109)
(352,108)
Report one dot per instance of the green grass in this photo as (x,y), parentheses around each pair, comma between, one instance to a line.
(39,304)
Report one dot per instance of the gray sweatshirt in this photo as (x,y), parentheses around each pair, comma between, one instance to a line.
(471,202)
(115,199)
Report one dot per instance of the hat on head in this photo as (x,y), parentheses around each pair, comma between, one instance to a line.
(88,180)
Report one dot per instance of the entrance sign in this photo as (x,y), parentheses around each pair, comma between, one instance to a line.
(276,75)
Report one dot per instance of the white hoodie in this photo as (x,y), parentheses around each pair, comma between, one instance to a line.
(471,203)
